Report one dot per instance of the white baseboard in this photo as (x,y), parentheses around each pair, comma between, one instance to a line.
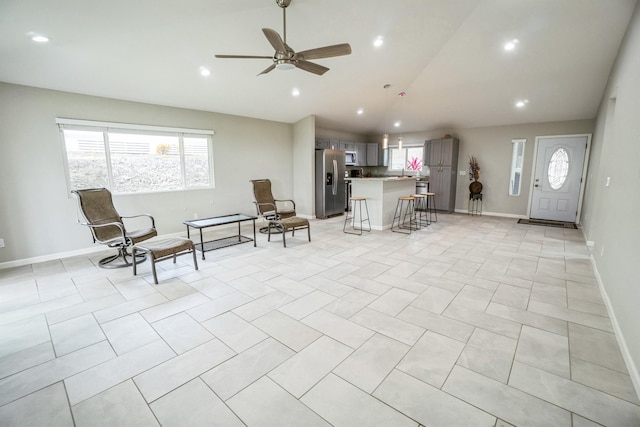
(626,355)
(500,214)
(52,257)
(100,248)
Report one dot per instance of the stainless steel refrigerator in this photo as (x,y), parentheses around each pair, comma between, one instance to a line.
(330,185)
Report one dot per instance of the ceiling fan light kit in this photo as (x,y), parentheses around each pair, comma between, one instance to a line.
(285,58)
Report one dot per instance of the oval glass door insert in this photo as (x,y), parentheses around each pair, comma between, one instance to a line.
(558,168)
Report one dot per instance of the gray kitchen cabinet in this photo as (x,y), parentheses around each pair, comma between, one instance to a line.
(327,144)
(347,146)
(322,144)
(441,155)
(361,154)
(372,154)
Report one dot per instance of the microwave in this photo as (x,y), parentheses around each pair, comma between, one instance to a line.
(350,158)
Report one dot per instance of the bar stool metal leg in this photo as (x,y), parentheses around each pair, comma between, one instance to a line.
(359,230)
(421,210)
(409,211)
(431,207)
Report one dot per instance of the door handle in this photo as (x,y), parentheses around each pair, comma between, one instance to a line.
(334,189)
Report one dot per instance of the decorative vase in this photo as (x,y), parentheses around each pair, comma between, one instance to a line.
(475,187)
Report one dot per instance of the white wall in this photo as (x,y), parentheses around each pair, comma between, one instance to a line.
(37,214)
(340,135)
(610,214)
(303,166)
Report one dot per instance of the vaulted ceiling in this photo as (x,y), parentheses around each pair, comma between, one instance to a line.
(447,55)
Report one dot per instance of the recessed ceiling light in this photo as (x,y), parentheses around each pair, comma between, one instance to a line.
(511,45)
(397,124)
(522,103)
(38,38)
(295,92)
(360,111)
(204,71)
(379,41)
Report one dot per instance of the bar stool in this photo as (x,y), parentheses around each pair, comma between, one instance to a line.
(407,204)
(431,207)
(421,210)
(358,201)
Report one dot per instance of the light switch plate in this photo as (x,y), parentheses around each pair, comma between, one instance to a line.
(463,173)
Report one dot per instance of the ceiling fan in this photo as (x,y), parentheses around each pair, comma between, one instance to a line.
(286,58)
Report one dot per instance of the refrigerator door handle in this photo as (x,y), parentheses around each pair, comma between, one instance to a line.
(334,189)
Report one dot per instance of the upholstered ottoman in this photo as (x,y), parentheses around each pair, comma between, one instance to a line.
(163,249)
(292,223)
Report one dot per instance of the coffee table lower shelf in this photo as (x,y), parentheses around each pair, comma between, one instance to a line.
(224,242)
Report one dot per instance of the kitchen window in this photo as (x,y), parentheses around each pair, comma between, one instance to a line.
(136,159)
(408,158)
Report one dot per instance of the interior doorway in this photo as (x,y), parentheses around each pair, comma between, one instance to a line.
(558,177)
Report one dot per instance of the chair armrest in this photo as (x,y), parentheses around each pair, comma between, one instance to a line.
(287,200)
(153,222)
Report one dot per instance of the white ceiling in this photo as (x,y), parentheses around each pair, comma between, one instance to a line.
(446,54)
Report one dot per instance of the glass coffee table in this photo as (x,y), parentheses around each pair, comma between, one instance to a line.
(224,242)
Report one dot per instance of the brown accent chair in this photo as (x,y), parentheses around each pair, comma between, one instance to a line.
(107,226)
(269,208)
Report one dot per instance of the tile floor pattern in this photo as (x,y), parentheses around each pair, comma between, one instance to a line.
(473,321)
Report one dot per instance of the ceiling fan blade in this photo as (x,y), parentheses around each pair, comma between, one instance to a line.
(244,56)
(311,67)
(325,52)
(269,68)
(275,39)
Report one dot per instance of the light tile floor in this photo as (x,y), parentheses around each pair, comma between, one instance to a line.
(472,321)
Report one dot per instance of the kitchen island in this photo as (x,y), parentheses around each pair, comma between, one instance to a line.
(382,196)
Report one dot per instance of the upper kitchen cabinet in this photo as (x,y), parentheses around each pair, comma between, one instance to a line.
(376,156)
(347,146)
(361,154)
(372,154)
(327,144)
(442,152)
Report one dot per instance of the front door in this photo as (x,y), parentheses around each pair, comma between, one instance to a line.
(557,178)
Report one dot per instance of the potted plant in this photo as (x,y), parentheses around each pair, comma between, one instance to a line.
(474,173)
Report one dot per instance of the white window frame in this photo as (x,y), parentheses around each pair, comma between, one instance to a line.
(394,150)
(107,127)
(517,166)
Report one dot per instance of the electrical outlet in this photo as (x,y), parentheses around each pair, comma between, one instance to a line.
(1,243)
(463,173)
